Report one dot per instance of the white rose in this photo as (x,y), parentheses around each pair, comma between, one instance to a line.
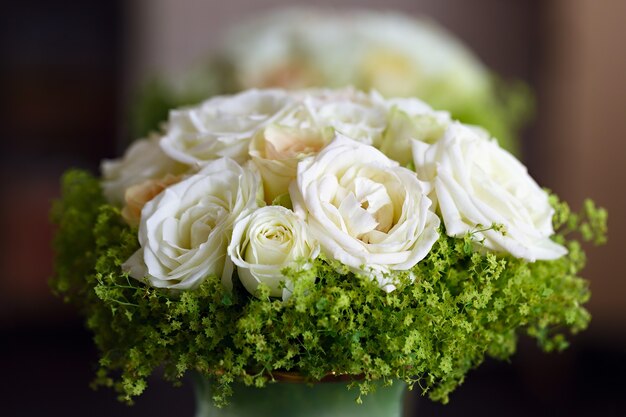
(221,126)
(185,230)
(276,151)
(144,160)
(265,242)
(478,184)
(366,211)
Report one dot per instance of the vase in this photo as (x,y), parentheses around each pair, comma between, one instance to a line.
(294,398)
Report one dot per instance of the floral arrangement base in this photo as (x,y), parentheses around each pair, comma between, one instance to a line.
(317,230)
(298,399)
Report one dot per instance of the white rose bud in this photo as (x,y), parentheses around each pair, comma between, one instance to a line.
(144,160)
(185,230)
(366,211)
(478,184)
(221,126)
(265,242)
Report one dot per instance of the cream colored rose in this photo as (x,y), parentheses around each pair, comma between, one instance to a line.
(366,211)
(305,127)
(185,230)
(221,126)
(139,194)
(276,151)
(478,184)
(144,160)
(267,241)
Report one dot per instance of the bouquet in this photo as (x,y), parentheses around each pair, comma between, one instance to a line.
(389,52)
(317,232)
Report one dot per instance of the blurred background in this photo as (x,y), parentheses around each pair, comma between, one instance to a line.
(68,70)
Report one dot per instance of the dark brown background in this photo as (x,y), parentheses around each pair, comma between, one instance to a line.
(66,72)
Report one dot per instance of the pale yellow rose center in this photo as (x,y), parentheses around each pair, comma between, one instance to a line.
(287,143)
(270,245)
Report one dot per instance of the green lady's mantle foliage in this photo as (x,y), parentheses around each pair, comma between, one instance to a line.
(462,306)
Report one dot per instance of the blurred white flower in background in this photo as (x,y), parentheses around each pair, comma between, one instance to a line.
(394,54)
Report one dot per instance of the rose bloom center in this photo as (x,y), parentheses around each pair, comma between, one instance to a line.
(368,205)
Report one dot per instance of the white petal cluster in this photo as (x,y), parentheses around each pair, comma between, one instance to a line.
(340,158)
(221,126)
(362,117)
(144,160)
(185,230)
(477,184)
(367,212)
(267,241)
